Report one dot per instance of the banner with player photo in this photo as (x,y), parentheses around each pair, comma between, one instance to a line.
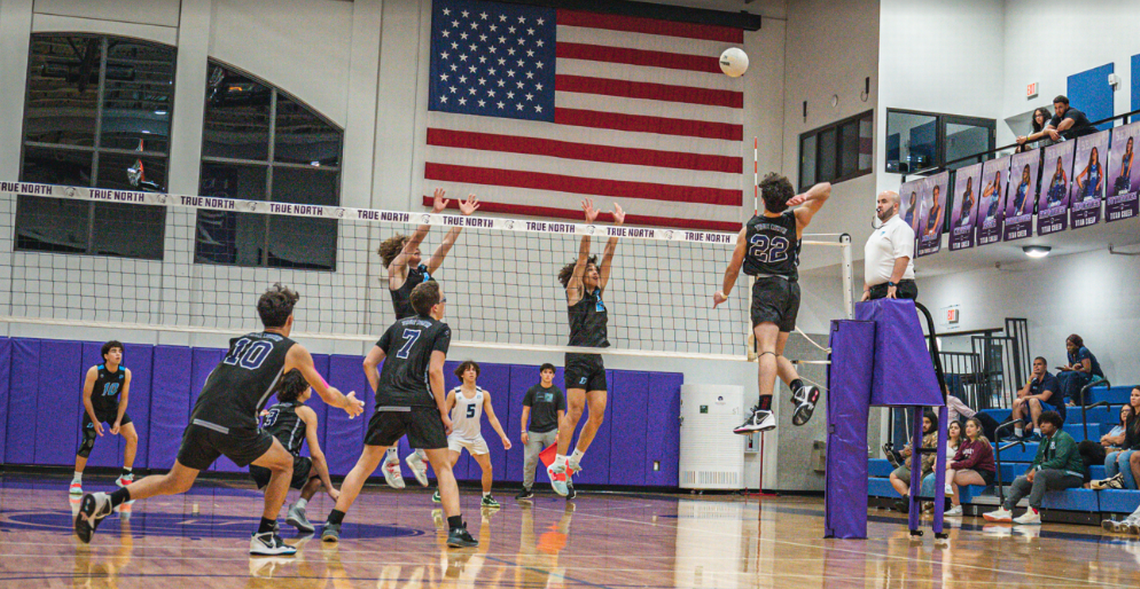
(933,196)
(1124,185)
(909,203)
(1022,195)
(1053,204)
(967,182)
(1088,180)
(991,206)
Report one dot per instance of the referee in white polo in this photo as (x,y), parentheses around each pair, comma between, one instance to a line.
(888,266)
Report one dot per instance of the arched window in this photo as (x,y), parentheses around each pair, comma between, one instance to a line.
(259,143)
(97,114)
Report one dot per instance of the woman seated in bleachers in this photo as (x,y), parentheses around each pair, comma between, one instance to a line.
(973,464)
(1117,467)
(1080,371)
(953,441)
(900,477)
(1114,439)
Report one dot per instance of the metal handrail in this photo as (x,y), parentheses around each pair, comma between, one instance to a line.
(1085,408)
(939,469)
(997,454)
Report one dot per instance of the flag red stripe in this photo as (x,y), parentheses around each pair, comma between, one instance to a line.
(576,215)
(639,57)
(649,91)
(647,124)
(584,151)
(580,185)
(633,24)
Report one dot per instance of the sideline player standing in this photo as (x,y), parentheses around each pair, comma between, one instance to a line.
(224,422)
(584,280)
(409,399)
(401,257)
(768,248)
(467,402)
(548,404)
(105,395)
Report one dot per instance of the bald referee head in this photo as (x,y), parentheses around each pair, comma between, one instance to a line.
(888,270)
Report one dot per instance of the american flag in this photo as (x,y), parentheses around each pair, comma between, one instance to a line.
(534,109)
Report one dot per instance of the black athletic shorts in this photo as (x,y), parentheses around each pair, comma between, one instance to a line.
(775,300)
(422,425)
(585,371)
(203,444)
(106,416)
(302,472)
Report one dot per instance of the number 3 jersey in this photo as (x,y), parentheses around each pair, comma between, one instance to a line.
(408,345)
(238,387)
(773,246)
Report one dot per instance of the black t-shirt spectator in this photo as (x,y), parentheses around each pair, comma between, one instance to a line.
(544,407)
(1081,125)
(1049,383)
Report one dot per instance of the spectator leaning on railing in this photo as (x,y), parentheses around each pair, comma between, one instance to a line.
(1040,120)
(1057,466)
(1069,123)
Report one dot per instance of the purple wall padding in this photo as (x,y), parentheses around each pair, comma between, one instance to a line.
(344,437)
(5,384)
(25,378)
(630,398)
(108,450)
(57,403)
(663,428)
(848,400)
(496,379)
(596,463)
(905,376)
(169,404)
(141,363)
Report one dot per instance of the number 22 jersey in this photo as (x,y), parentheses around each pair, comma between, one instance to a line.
(773,246)
(408,345)
(238,387)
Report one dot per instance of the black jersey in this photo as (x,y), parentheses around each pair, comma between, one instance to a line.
(408,345)
(238,387)
(773,246)
(401,296)
(588,321)
(108,386)
(284,424)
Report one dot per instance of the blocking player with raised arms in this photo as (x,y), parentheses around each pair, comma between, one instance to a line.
(401,257)
(584,281)
(768,247)
(106,391)
(224,422)
(409,400)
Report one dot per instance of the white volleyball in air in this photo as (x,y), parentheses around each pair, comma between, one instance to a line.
(734,62)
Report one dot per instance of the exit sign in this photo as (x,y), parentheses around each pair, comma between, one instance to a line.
(1031,90)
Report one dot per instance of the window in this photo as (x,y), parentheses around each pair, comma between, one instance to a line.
(840,151)
(258,143)
(935,141)
(97,115)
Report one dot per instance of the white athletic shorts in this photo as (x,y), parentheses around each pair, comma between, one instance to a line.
(476,446)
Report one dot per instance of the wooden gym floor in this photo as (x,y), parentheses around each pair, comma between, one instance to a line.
(600,540)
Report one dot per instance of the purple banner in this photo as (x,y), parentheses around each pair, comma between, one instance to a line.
(909,203)
(1122,201)
(967,182)
(1053,204)
(1023,171)
(933,192)
(991,206)
(1088,180)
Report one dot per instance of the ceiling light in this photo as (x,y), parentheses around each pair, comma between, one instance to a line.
(1036,251)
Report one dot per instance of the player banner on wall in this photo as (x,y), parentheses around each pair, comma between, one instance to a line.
(909,203)
(991,207)
(1053,205)
(1122,201)
(1088,180)
(962,219)
(1022,195)
(933,192)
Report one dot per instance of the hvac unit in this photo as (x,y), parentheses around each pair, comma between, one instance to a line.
(712,457)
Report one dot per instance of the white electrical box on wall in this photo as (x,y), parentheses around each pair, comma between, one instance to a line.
(712,457)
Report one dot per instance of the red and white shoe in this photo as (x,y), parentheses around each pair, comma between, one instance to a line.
(392,474)
(76,488)
(125,480)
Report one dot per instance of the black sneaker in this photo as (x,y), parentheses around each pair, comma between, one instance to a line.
(570,492)
(902,504)
(761,420)
(525,495)
(460,538)
(804,398)
(331,533)
(269,544)
(92,509)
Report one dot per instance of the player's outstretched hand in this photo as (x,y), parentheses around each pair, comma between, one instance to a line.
(619,215)
(588,208)
(334,493)
(506,443)
(719,297)
(354,406)
(470,205)
(439,203)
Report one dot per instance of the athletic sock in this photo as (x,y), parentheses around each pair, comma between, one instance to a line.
(1018,431)
(455,521)
(797,384)
(1037,432)
(765,402)
(120,497)
(301,503)
(336,516)
(266,525)
(578,454)
(486,493)
(559,459)
(78,478)
(126,472)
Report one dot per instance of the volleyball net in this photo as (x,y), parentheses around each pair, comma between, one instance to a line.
(210,258)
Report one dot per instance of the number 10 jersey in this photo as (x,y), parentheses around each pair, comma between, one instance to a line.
(773,246)
(238,387)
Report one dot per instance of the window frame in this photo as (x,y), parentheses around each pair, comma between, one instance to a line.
(837,154)
(942,120)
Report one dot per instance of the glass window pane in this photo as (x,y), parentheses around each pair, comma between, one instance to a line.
(866,142)
(54,224)
(132,172)
(910,141)
(63,88)
(826,153)
(963,140)
(807,162)
(129,230)
(237,116)
(224,237)
(848,148)
(302,137)
(297,242)
(137,96)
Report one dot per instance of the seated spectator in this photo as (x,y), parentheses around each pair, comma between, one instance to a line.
(953,441)
(973,464)
(1114,439)
(1119,464)
(1057,466)
(1041,118)
(1080,371)
(1068,123)
(900,477)
(1038,395)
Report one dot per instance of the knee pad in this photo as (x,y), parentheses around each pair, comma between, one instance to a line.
(87,443)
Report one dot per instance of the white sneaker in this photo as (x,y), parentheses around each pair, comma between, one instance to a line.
(557,474)
(761,420)
(955,511)
(949,489)
(392,474)
(269,544)
(125,480)
(1030,517)
(92,509)
(76,488)
(1001,515)
(574,466)
(419,469)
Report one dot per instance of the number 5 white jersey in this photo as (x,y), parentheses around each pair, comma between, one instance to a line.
(466,415)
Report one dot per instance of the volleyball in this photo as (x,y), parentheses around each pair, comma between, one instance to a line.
(734,62)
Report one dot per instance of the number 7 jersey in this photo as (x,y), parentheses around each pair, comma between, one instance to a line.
(238,387)
(773,246)
(408,345)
